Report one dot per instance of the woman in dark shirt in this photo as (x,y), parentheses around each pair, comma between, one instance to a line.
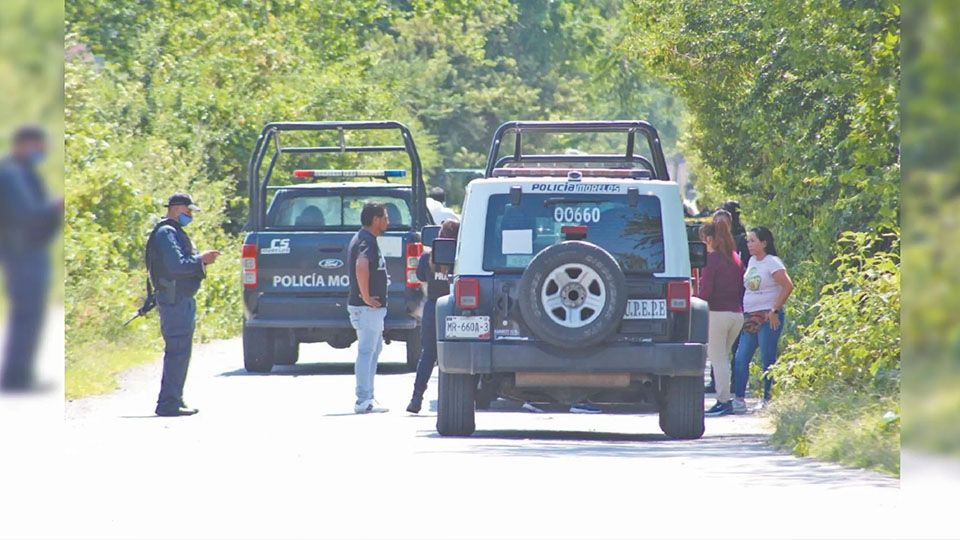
(438,285)
(721,285)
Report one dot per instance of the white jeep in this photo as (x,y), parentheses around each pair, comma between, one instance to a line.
(572,284)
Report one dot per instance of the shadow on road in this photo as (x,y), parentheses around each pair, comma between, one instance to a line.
(761,463)
(509,405)
(322,368)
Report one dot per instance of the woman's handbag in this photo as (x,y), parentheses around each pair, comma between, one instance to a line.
(753,320)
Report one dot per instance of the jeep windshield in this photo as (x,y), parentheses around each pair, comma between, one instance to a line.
(632,235)
(300,209)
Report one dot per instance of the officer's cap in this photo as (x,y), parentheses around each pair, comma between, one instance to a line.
(178,199)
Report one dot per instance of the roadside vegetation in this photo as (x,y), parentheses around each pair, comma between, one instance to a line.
(790,107)
(793,109)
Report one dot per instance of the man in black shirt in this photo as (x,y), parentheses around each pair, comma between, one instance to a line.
(367,304)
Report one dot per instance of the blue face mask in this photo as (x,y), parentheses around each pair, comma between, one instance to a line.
(36,157)
(184,220)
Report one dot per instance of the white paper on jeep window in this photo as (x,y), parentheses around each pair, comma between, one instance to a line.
(517,242)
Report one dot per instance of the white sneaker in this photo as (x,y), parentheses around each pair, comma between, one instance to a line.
(739,406)
(369,406)
(531,407)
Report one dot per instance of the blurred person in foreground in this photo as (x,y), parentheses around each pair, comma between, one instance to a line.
(29,221)
(176,270)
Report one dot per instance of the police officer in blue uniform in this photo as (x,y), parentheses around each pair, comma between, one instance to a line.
(29,221)
(176,270)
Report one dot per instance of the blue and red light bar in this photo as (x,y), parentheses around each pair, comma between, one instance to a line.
(349,173)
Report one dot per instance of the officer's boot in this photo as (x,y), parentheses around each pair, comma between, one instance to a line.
(416,402)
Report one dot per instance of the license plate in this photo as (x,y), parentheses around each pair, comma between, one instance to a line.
(646,309)
(467,327)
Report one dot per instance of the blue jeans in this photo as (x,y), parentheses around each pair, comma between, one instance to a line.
(766,338)
(177,322)
(368,322)
(27,275)
(428,348)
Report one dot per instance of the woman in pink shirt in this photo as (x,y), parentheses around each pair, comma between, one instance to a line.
(721,285)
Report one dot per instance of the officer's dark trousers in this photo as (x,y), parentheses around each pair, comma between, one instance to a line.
(177,322)
(27,275)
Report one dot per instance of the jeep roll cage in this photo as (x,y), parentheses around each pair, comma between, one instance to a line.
(257,186)
(628,160)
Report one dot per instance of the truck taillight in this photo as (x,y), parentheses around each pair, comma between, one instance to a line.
(248,266)
(467,293)
(414,251)
(678,296)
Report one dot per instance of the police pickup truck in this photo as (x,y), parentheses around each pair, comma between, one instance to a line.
(571,283)
(294,260)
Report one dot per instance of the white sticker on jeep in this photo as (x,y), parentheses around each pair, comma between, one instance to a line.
(577,187)
(278,246)
(517,242)
(311,280)
(570,214)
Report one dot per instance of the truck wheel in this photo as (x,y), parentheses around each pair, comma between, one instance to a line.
(413,349)
(257,350)
(455,407)
(573,295)
(286,349)
(681,414)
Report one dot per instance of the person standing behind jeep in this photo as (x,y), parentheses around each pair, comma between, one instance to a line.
(721,285)
(367,304)
(438,285)
(767,287)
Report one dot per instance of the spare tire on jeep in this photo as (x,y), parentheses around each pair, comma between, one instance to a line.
(573,294)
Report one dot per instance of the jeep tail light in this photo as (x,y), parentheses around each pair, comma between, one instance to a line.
(414,251)
(678,296)
(467,293)
(248,266)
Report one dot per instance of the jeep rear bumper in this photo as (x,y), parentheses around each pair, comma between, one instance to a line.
(671,359)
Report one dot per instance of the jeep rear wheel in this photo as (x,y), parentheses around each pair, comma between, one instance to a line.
(257,350)
(455,407)
(681,412)
(573,294)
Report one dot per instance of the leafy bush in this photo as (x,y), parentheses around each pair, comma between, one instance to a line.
(853,341)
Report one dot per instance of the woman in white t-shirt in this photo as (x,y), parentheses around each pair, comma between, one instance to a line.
(766,289)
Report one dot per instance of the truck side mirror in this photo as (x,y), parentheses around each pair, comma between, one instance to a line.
(444,251)
(429,233)
(698,254)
